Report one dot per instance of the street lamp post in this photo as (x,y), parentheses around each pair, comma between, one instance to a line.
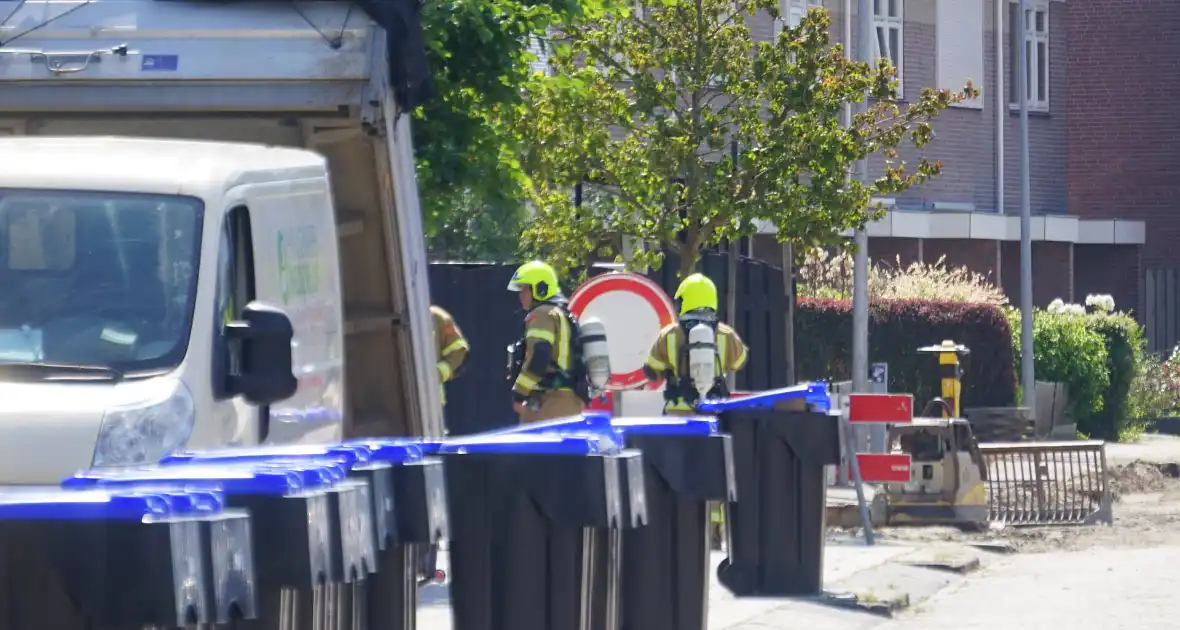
(1027,374)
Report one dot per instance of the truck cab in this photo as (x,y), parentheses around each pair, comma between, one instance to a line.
(127,263)
(178,180)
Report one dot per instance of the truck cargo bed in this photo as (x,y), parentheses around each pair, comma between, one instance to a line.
(312,76)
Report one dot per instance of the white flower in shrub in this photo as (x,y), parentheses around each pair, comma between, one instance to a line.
(1056,306)
(1074,309)
(1101,303)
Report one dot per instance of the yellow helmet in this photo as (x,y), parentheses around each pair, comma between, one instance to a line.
(696,291)
(539,277)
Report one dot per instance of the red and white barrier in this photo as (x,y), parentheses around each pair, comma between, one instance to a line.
(881,409)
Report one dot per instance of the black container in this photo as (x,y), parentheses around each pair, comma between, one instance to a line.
(350,508)
(131,574)
(531,530)
(666,564)
(606,570)
(776,528)
(227,546)
(416,518)
(292,538)
(121,560)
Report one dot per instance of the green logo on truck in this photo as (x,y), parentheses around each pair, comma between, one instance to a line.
(299,263)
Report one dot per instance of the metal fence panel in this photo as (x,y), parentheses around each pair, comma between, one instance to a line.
(1045,483)
(1161,308)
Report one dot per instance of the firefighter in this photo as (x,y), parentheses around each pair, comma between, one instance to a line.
(671,355)
(450,345)
(451,348)
(543,384)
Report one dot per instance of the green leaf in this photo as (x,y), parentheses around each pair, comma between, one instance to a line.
(648,106)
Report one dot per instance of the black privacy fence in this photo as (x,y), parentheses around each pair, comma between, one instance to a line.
(490,316)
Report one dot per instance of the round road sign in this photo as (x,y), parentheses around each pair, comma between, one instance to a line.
(633,309)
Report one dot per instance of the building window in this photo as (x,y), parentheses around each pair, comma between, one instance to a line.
(791,13)
(888,22)
(1031,31)
(959,37)
(539,49)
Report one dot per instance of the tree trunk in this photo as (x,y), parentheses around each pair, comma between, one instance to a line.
(688,263)
(690,252)
(789,292)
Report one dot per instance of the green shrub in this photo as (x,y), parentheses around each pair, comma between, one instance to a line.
(1067,349)
(1154,393)
(897,328)
(823,275)
(1124,359)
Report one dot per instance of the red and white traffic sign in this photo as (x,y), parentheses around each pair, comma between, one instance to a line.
(884,467)
(634,310)
(882,409)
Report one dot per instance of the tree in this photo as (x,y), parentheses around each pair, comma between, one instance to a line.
(476,50)
(467,172)
(691,132)
(475,227)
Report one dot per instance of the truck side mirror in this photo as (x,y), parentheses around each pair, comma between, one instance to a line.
(266,369)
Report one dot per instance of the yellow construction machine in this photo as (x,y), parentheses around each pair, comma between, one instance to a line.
(947,471)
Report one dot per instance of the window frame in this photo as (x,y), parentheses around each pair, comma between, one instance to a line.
(1033,38)
(786,15)
(540,49)
(179,353)
(884,23)
(235,262)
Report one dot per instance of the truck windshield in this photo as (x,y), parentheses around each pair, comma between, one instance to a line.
(97,280)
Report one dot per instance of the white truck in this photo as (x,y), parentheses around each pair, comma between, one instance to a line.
(177,271)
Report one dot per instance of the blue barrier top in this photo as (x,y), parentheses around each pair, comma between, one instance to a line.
(193,502)
(532,444)
(431,446)
(55,504)
(393,450)
(253,480)
(315,469)
(312,474)
(592,425)
(603,425)
(593,421)
(813,394)
(666,425)
(346,454)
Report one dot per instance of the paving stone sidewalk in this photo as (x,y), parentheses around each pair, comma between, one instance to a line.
(842,560)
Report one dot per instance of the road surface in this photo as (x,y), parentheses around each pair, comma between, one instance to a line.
(1075,578)
(1118,577)
(1097,589)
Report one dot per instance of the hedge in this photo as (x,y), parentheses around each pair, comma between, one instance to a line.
(1124,349)
(1097,356)
(897,328)
(1069,351)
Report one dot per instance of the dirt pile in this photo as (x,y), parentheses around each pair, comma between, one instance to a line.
(1141,478)
(1147,515)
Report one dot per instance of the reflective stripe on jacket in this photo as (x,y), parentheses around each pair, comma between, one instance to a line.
(665,355)
(549,324)
(450,346)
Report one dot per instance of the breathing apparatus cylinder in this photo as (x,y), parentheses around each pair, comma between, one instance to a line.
(702,357)
(595,354)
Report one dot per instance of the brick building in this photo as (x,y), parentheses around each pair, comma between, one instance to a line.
(1102,144)
(970,214)
(1124,158)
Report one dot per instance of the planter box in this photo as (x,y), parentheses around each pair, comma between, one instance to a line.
(1167,425)
(1053,417)
(1000,424)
